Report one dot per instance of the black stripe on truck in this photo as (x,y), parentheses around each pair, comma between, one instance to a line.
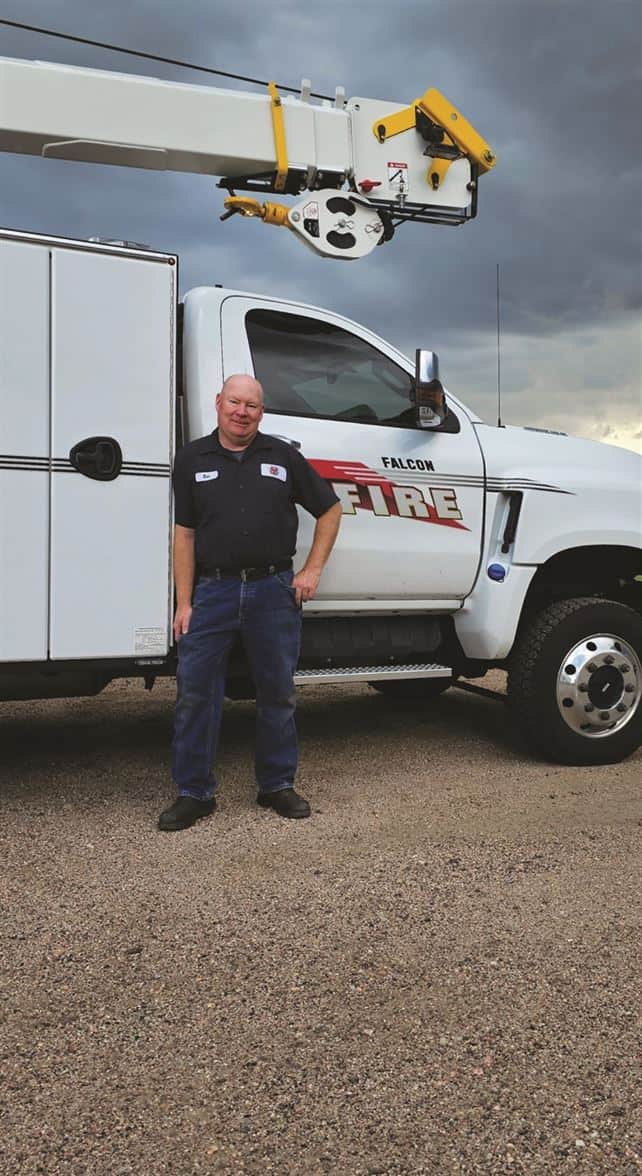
(61,465)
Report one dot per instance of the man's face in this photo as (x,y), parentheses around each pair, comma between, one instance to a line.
(240,408)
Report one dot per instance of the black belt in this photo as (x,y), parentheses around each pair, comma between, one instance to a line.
(248,573)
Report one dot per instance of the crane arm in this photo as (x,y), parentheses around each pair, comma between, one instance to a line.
(255,142)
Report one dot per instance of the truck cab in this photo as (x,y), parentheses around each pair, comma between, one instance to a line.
(344,397)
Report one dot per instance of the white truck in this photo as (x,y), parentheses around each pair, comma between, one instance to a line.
(464,546)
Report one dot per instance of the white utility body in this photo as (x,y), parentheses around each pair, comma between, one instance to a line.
(463,546)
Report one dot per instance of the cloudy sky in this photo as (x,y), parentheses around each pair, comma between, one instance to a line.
(553,85)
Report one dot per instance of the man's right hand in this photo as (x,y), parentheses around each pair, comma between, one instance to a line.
(182,620)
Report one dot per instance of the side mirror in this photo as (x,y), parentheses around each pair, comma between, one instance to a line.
(430,398)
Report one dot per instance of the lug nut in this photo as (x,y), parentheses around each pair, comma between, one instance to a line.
(583,687)
(629,688)
(605,715)
(589,707)
(624,668)
(591,667)
(608,660)
(621,707)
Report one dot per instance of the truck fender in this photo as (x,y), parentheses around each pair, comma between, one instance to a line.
(486,625)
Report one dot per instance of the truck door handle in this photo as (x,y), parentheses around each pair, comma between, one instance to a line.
(100,458)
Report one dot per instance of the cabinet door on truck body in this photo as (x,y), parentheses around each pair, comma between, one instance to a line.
(412,499)
(111,376)
(86,352)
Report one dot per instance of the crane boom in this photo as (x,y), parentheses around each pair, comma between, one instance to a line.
(258,142)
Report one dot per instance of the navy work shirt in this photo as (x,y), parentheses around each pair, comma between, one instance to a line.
(242,506)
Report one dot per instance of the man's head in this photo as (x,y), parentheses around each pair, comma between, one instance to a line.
(239,405)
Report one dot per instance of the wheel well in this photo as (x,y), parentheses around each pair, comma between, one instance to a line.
(610,571)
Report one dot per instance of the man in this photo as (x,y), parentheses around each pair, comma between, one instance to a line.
(235,536)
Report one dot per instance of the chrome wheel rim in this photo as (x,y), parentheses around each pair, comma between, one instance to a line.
(599,686)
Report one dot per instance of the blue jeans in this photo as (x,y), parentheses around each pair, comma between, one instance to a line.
(266,615)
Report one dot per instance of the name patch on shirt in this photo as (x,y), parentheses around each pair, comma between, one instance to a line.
(273,471)
(206,475)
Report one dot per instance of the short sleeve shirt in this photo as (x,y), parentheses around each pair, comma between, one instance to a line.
(244,511)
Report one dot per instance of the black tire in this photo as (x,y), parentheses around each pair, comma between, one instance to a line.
(412,689)
(558,690)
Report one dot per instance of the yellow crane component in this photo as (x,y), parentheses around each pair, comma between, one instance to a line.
(270,213)
(446,130)
(469,141)
(278,126)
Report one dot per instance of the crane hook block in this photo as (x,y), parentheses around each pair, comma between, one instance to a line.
(330,222)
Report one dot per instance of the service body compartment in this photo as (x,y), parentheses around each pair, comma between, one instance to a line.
(103,545)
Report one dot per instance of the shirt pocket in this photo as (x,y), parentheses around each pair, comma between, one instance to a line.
(274,494)
(207,494)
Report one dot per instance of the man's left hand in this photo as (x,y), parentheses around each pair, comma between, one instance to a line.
(305,584)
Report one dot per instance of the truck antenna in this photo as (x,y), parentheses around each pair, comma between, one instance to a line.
(499,369)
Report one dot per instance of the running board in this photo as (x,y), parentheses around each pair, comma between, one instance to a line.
(370,674)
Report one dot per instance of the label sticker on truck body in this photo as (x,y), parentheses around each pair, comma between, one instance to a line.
(150,641)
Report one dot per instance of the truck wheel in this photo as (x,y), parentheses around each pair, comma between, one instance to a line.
(575,682)
(412,689)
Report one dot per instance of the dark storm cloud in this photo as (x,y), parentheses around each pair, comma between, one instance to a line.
(552,84)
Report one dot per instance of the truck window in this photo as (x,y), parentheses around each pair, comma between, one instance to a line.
(312,368)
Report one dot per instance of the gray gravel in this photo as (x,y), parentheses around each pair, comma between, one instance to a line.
(438,973)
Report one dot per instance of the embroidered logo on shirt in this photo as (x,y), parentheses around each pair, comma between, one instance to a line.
(273,471)
(206,476)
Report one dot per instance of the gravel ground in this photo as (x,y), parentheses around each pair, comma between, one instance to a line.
(438,973)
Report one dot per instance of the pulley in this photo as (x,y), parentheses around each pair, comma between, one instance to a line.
(337,224)
(333,223)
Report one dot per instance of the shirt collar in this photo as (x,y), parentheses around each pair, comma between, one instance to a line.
(261,441)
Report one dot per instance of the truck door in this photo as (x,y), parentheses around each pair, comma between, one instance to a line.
(111,414)
(412,499)
(86,420)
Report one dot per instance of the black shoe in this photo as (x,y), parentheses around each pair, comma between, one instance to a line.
(286,802)
(184,812)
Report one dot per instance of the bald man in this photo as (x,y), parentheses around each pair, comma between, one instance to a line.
(236,492)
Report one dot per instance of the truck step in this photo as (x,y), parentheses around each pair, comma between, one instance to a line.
(370,674)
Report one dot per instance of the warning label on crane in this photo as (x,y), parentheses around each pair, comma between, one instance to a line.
(398,177)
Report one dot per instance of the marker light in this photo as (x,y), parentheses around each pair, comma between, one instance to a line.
(497,572)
